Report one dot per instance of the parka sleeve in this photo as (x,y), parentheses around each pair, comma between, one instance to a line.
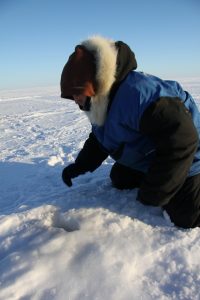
(91,156)
(169,124)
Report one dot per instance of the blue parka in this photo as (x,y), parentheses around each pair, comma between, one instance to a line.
(121,136)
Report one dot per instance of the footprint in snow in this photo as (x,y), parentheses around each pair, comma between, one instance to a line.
(54,160)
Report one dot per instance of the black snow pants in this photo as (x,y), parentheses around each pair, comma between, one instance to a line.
(183,208)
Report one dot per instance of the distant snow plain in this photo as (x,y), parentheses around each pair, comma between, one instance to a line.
(89,241)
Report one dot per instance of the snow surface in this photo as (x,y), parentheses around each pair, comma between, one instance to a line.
(89,241)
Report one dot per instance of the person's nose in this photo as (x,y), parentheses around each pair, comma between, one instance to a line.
(76,97)
(79,99)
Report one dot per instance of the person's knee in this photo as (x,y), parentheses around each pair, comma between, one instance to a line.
(123,177)
(115,175)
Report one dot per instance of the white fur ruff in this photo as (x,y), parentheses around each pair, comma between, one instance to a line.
(106,61)
(98,110)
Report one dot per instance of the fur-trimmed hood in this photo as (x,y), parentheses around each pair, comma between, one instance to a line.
(105,54)
(112,60)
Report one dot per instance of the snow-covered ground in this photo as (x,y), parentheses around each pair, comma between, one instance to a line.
(89,241)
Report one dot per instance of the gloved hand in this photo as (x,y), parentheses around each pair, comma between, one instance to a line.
(70,172)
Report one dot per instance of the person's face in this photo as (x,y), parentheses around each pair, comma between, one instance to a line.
(80,99)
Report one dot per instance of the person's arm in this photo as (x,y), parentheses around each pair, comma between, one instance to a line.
(169,124)
(89,159)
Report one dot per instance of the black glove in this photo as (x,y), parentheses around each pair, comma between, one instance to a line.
(70,172)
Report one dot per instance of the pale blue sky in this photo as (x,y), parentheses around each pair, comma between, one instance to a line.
(37,36)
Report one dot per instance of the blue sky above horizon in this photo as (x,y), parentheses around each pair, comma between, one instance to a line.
(37,36)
